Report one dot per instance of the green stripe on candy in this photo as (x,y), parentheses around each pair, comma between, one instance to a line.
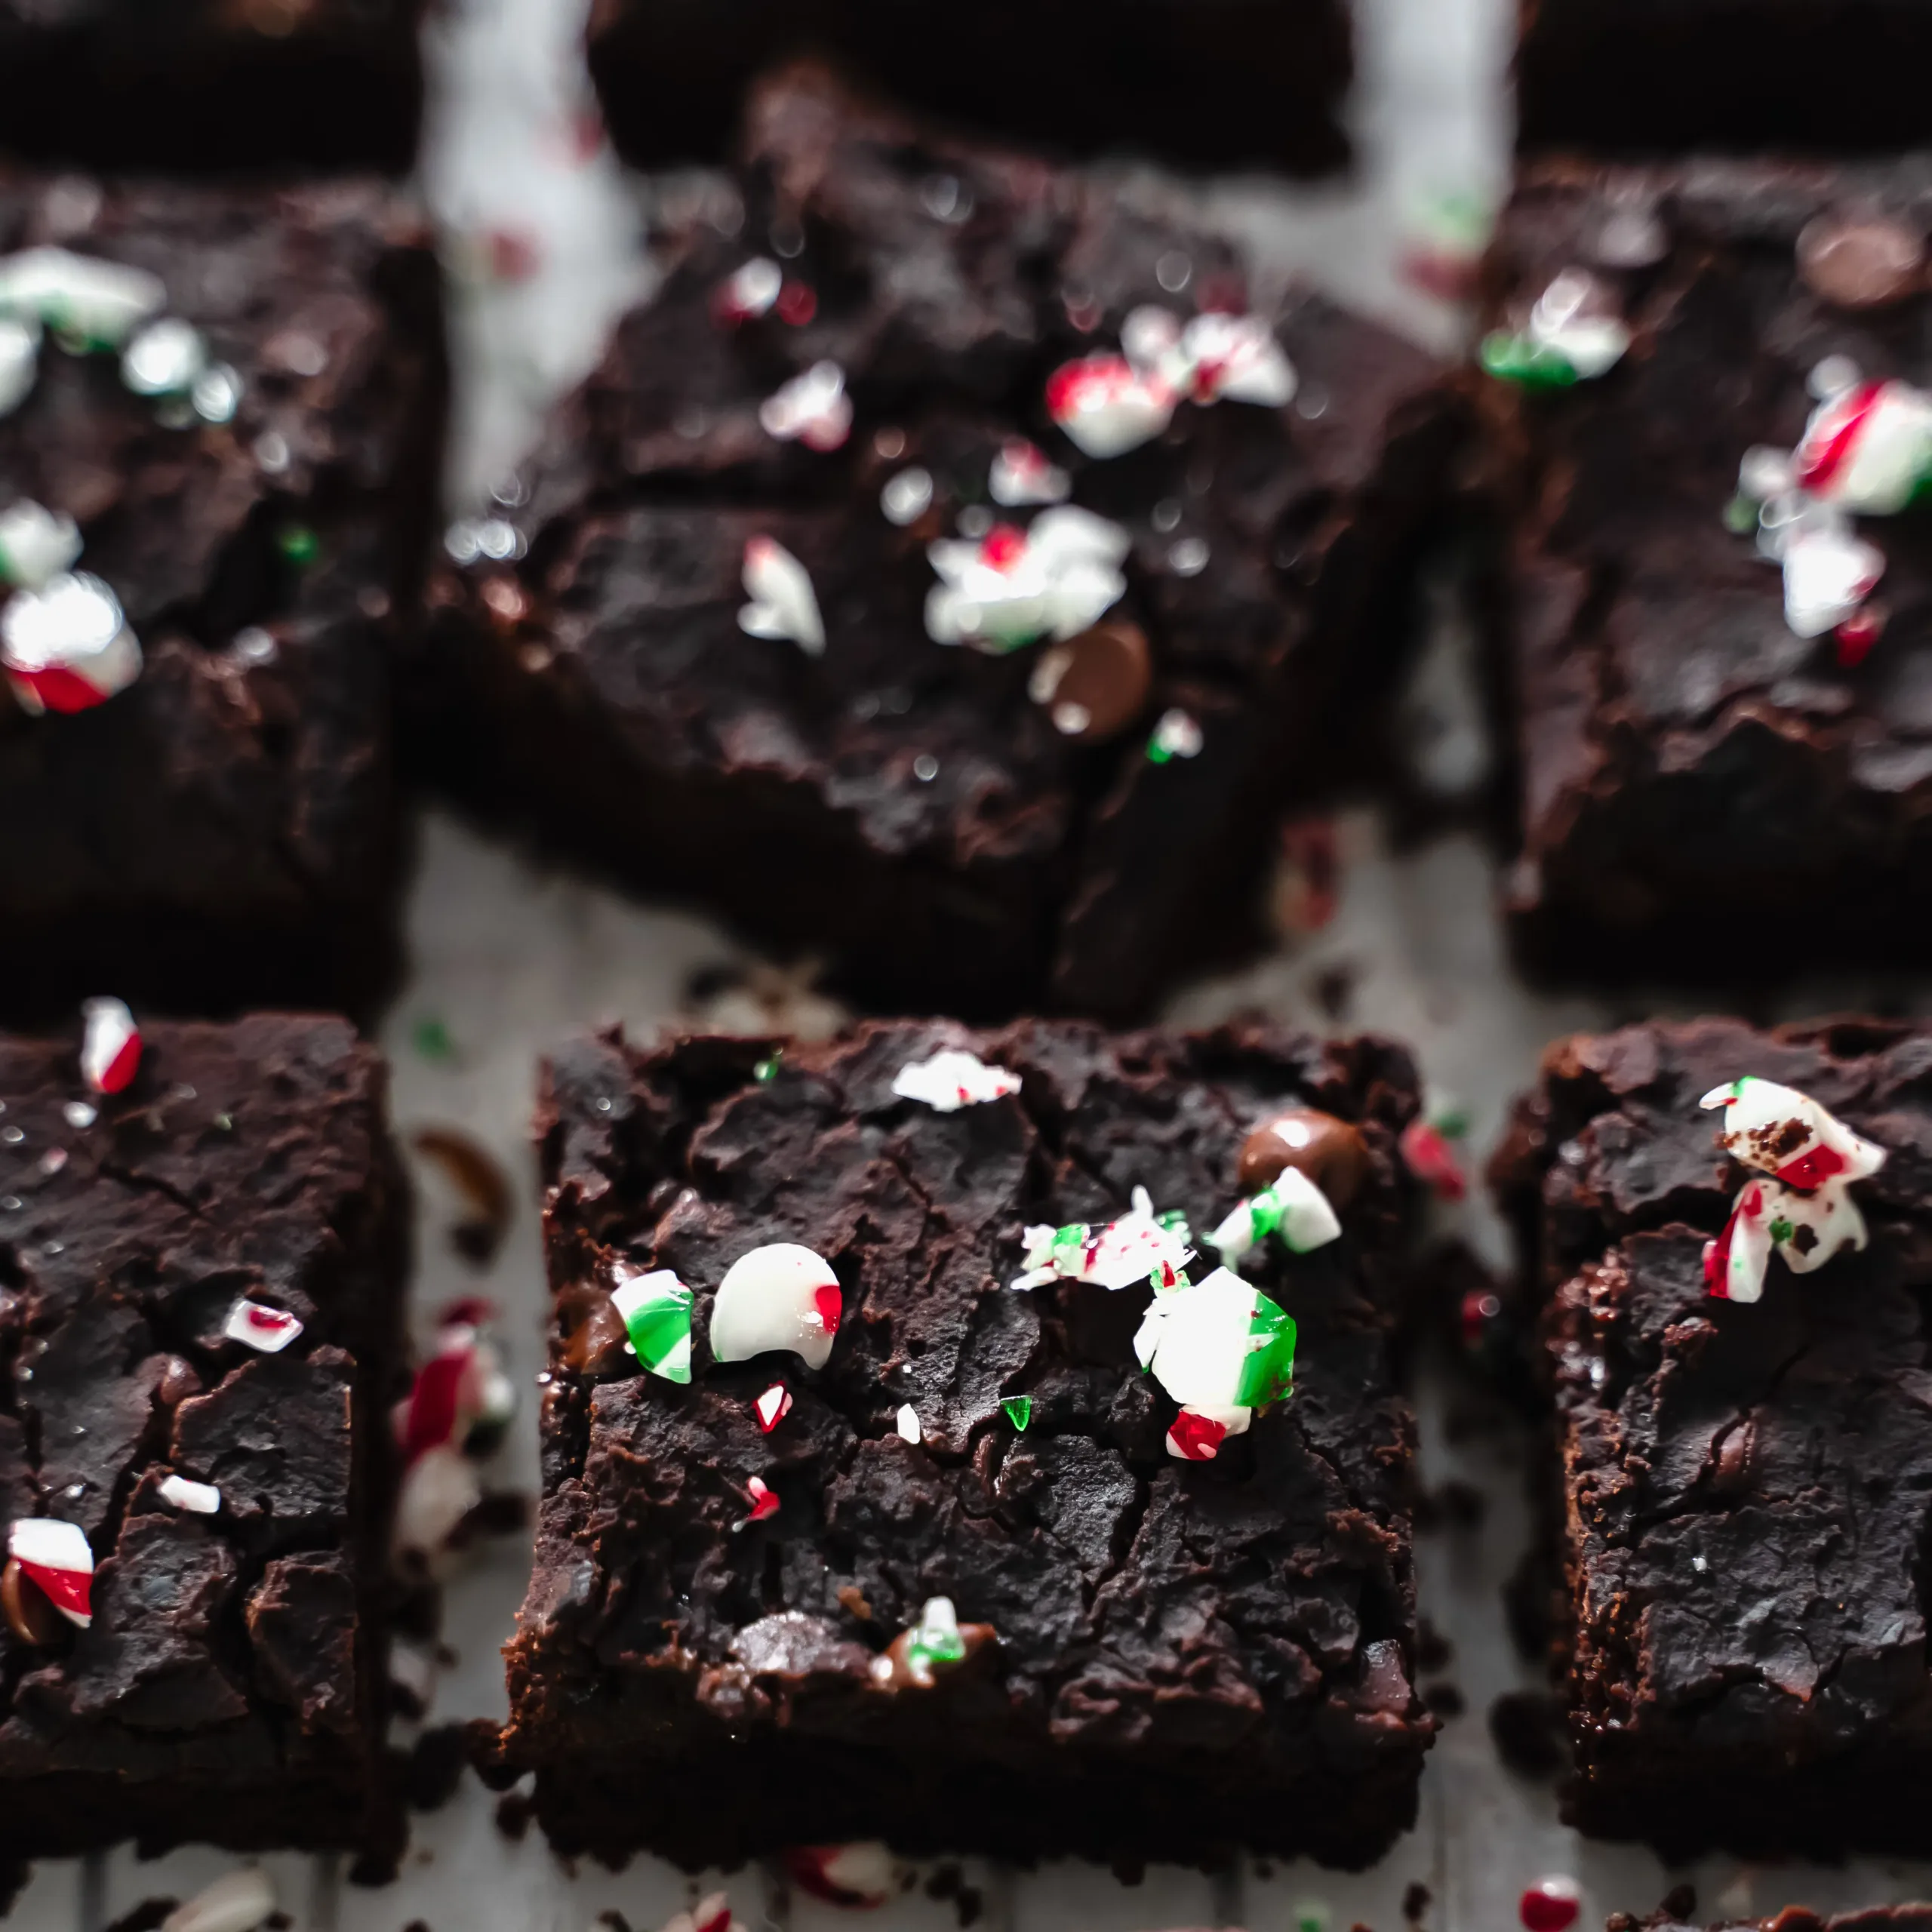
(1018,1411)
(1515,358)
(657,1312)
(1268,1373)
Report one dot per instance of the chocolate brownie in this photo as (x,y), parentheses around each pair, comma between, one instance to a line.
(211,84)
(1742,1518)
(1221,82)
(200,1297)
(953,1571)
(1659,76)
(1706,383)
(1793,1919)
(868,594)
(219,417)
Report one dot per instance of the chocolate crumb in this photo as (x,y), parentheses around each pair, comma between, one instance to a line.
(1529,1732)
(852,1598)
(436,1764)
(514,1813)
(417,1925)
(1415,1902)
(1680,1902)
(147,1916)
(1444,1699)
(1433,1649)
(613,1920)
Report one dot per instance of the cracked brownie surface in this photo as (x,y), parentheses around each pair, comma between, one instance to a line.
(1746,1488)
(1185,1655)
(230,1685)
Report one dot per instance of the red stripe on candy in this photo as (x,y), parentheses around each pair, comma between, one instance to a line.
(1818,466)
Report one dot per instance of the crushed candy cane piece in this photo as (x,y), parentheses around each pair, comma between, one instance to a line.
(1867,448)
(1176,735)
(1428,1155)
(1550,1905)
(712,1913)
(58,1558)
(773,1407)
(199,1498)
(748,292)
(907,1423)
(763,1500)
(655,1311)
(1194,1438)
(20,360)
(813,409)
(934,1639)
(1021,475)
(951,1080)
(1141,1246)
(1218,1346)
(88,303)
(237,1902)
(1292,1206)
(1012,586)
(862,1876)
(780,1296)
(1018,1411)
(783,603)
(1829,572)
(66,647)
(1106,406)
(268,1330)
(35,545)
(110,1046)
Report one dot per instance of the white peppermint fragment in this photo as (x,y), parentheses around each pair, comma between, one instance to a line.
(166,358)
(1763,473)
(439,1490)
(20,360)
(268,1330)
(66,647)
(1571,318)
(36,546)
(951,1080)
(1828,573)
(1176,735)
(750,291)
(92,303)
(780,1296)
(199,1498)
(1233,358)
(1022,476)
(813,409)
(783,603)
(906,498)
(57,1556)
(237,1902)
(1138,1247)
(1218,1346)
(908,1422)
(79,1114)
(1291,1206)
(1056,579)
(1106,406)
(863,1874)
(110,1045)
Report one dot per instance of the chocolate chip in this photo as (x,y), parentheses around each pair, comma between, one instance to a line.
(1095,685)
(179,1381)
(29,1615)
(1735,1450)
(596,1340)
(1330,1152)
(1859,263)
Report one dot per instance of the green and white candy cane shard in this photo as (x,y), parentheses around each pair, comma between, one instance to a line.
(1516,358)
(1291,1207)
(88,303)
(657,1312)
(935,1639)
(1141,1246)
(778,1296)
(35,545)
(1219,1345)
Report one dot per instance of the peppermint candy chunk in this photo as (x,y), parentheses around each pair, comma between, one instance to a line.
(1141,1246)
(1829,572)
(89,303)
(1058,578)
(267,1330)
(747,292)
(167,358)
(1021,475)
(1106,406)
(1867,448)
(772,1407)
(656,1310)
(907,1423)
(934,1639)
(66,647)
(58,1558)
(198,1499)
(951,1080)
(861,1876)
(110,1045)
(783,602)
(711,1914)
(764,1501)
(813,409)
(1218,1346)
(1787,1135)
(440,1487)
(1215,358)
(1572,334)
(20,360)
(1195,1436)
(1291,1206)
(778,1296)
(35,545)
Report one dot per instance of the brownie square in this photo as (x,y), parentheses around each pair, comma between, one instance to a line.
(211,84)
(1214,82)
(1702,731)
(1743,1485)
(222,829)
(229,1686)
(850,358)
(1659,76)
(1157,1658)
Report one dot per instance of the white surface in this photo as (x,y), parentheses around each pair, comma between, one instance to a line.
(511,961)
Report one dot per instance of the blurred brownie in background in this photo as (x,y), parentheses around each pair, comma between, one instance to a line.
(950,569)
(211,84)
(1220,83)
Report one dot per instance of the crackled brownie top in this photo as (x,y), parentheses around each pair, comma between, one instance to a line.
(1000,1448)
(1700,603)
(154,1244)
(1746,1482)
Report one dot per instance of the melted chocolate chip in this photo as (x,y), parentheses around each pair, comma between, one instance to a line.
(1859,263)
(1330,1152)
(179,1381)
(1096,685)
(595,1341)
(29,1615)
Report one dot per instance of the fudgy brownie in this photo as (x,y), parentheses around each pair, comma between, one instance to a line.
(220,412)
(1705,378)
(869,593)
(211,84)
(200,1313)
(1213,82)
(1661,76)
(1743,1481)
(1793,1918)
(895,1538)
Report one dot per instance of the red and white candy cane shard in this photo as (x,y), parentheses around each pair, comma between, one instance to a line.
(763,1500)
(951,1079)
(778,1296)
(711,1914)
(1021,475)
(57,1557)
(110,1045)
(268,1330)
(748,292)
(773,1407)
(863,1876)
(66,647)
(1194,1437)
(1429,1156)
(1868,448)
(1106,406)
(431,1411)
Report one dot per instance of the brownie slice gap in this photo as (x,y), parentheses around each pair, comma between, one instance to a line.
(1224,83)
(201,1329)
(1001,723)
(973,1581)
(221,830)
(212,84)
(1721,626)
(1742,1486)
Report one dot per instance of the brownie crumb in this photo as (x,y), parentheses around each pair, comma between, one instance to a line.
(1433,1649)
(436,1764)
(486,1756)
(1445,1700)
(1334,989)
(514,1811)
(612,1921)
(1416,1898)
(1530,1733)
(1680,1902)
(417,1925)
(145,1917)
